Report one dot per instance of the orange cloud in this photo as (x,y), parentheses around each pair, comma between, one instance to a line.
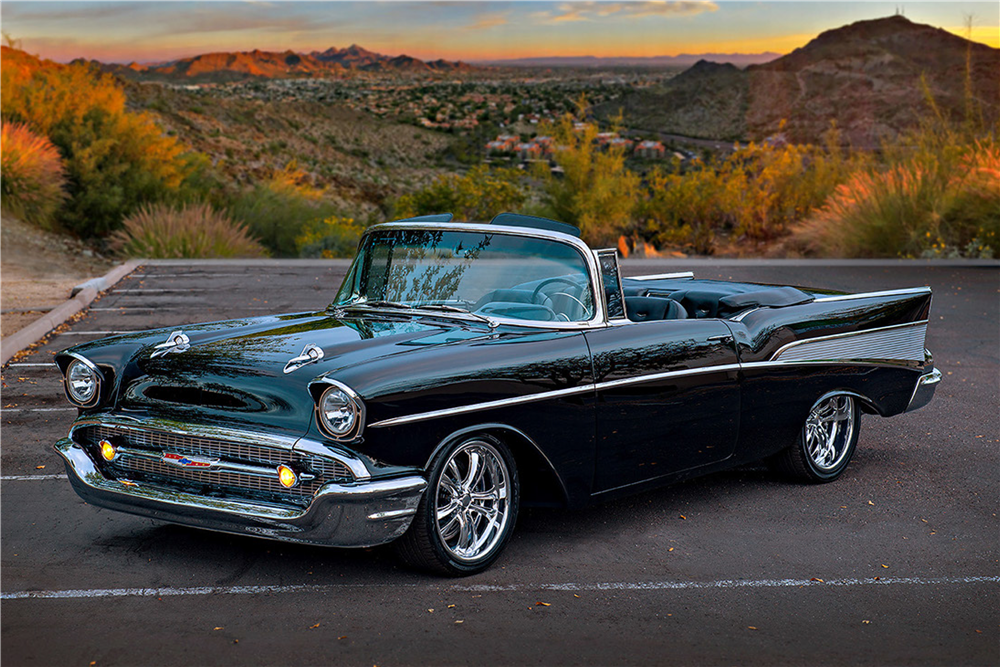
(588,11)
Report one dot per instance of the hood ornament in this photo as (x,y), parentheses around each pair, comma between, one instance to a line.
(310,355)
(176,342)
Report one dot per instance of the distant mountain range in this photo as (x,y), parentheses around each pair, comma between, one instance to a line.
(868,77)
(236,66)
(682,60)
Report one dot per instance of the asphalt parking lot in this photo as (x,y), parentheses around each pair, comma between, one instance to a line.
(896,563)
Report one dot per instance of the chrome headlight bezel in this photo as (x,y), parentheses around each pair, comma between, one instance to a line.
(88,372)
(351,413)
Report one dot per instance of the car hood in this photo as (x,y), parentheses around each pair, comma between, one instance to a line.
(234,371)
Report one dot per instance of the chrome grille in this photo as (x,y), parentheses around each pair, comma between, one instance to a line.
(210,482)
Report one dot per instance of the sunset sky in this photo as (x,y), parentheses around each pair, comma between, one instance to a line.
(156,31)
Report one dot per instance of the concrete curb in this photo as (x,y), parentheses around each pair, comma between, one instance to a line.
(83,295)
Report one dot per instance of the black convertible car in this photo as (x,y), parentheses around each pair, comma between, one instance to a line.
(466,369)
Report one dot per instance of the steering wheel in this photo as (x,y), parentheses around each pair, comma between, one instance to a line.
(549,281)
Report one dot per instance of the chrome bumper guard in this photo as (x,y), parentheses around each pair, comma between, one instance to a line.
(923,391)
(356,514)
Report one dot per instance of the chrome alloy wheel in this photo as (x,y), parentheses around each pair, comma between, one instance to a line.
(829,431)
(472,503)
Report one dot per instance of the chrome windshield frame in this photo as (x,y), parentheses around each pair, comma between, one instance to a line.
(586,254)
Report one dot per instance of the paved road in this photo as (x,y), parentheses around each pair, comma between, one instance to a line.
(896,563)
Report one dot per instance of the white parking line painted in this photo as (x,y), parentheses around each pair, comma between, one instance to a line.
(137,290)
(95,333)
(22,364)
(29,478)
(190,275)
(35,409)
(597,586)
(184,308)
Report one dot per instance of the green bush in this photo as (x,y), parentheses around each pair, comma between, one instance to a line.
(275,212)
(159,231)
(32,178)
(479,195)
(331,237)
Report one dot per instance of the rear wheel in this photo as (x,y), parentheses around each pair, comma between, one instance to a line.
(467,514)
(826,443)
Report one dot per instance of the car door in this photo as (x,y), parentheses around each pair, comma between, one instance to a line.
(668,396)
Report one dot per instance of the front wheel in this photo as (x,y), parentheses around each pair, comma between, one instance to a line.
(825,444)
(468,511)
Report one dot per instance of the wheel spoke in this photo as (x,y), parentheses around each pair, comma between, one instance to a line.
(475,462)
(447,510)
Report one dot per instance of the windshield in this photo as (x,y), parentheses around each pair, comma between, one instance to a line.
(490,274)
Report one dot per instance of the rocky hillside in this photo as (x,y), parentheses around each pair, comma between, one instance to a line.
(241,65)
(866,76)
(357,159)
(707,101)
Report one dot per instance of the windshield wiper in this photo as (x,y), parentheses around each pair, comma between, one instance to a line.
(375,304)
(448,308)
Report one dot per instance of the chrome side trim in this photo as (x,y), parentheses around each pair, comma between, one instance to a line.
(546,395)
(900,341)
(664,276)
(867,295)
(393,514)
(487,405)
(739,317)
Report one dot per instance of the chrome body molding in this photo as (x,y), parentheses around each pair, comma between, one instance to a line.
(129,423)
(665,276)
(910,291)
(357,514)
(923,390)
(902,342)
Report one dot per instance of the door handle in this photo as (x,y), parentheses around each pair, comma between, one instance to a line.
(724,338)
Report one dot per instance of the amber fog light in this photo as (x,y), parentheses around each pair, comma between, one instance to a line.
(108,450)
(287,476)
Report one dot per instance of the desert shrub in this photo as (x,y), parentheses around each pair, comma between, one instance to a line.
(480,194)
(335,236)
(32,178)
(756,194)
(276,211)
(597,193)
(114,159)
(190,231)
(942,202)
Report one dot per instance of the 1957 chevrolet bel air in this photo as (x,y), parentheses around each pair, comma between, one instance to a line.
(466,369)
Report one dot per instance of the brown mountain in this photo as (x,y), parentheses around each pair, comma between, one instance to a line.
(237,66)
(866,76)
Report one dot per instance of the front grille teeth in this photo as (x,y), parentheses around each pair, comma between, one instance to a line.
(142,460)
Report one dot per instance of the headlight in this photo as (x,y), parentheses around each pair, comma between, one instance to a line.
(83,383)
(340,412)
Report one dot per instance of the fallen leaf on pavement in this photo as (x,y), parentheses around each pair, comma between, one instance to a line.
(543,604)
(313,627)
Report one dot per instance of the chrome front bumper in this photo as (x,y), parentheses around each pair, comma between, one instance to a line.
(357,514)
(923,391)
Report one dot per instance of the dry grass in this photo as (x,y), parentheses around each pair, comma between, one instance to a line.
(192,231)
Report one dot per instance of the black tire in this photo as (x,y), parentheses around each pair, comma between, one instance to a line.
(483,512)
(837,421)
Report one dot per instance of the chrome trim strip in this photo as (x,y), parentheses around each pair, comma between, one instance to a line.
(925,380)
(598,321)
(394,514)
(613,252)
(739,317)
(664,276)
(487,405)
(881,343)
(546,395)
(867,295)
(216,465)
